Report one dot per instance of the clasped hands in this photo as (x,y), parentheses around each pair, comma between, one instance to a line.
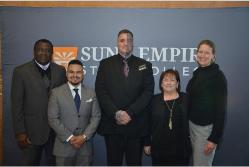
(77,141)
(23,140)
(122,117)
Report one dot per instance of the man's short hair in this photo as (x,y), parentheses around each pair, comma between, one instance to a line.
(44,41)
(75,61)
(125,31)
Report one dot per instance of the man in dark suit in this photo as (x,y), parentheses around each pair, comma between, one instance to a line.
(30,89)
(124,87)
(74,114)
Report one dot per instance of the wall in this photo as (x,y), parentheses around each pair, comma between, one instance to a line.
(125,5)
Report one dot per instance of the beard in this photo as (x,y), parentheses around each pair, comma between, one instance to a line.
(75,81)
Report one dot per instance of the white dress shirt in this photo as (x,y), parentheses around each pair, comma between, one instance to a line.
(44,67)
(75,87)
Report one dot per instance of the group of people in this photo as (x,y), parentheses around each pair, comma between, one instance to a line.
(53,111)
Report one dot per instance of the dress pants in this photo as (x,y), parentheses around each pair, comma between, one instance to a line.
(78,160)
(163,160)
(118,146)
(32,155)
(199,135)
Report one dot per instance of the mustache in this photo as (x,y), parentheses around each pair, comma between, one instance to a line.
(75,77)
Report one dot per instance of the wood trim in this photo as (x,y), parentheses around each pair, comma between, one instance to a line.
(106,4)
(128,4)
(1,104)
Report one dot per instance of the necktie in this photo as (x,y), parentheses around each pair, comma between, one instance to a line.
(126,68)
(77,99)
(46,81)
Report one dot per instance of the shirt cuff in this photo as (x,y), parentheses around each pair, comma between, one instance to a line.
(117,114)
(84,137)
(68,139)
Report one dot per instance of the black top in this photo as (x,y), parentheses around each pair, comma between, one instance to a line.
(208,99)
(117,92)
(170,142)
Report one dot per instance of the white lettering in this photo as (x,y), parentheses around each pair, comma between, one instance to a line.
(156,56)
(84,70)
(192,54)
(142,53)
(155,70)
(93,69)
(85,54)
(185,71)
(174,53)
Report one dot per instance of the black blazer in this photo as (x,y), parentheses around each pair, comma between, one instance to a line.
(29,100)
(116,92)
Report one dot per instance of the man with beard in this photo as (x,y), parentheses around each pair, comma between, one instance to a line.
(31,85)
(74,114)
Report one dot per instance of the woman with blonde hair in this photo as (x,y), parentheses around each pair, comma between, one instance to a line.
(207,91)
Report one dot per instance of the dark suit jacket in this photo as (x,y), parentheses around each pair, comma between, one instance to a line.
(29,100)
(116,92)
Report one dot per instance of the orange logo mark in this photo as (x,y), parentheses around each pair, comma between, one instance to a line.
(62,55)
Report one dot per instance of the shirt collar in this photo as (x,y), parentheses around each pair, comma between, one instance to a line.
(125,57)
(73,87)
(44,67)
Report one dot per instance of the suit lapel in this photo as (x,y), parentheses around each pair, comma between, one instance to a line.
(84,97)
(37,75)
(54,75)
(83,94)
(69,97)
(116,68)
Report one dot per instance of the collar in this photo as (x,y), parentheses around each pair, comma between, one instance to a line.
(73,87)
(125,56)
(161,96)
(210,70)
(44,67)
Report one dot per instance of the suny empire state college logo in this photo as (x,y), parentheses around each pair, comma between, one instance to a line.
(62,55)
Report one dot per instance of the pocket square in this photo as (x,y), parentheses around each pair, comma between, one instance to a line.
(142,67)
(89,100)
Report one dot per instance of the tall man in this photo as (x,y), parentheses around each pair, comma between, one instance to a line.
(30,89)
(124,87)
(74,114)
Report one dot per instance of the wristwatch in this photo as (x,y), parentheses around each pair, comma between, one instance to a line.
(84,137)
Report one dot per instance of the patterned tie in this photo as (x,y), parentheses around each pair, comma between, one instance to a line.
(77,99)
(126,68)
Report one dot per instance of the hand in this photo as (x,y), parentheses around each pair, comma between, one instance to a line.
(77,141)
(23,140)
(209,147)
(147,150)
(122,118)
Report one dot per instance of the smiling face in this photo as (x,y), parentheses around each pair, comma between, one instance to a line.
(75,74)
(169,83)
(205,55)
(125,44)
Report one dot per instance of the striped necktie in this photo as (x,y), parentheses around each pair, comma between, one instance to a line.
(126,68)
